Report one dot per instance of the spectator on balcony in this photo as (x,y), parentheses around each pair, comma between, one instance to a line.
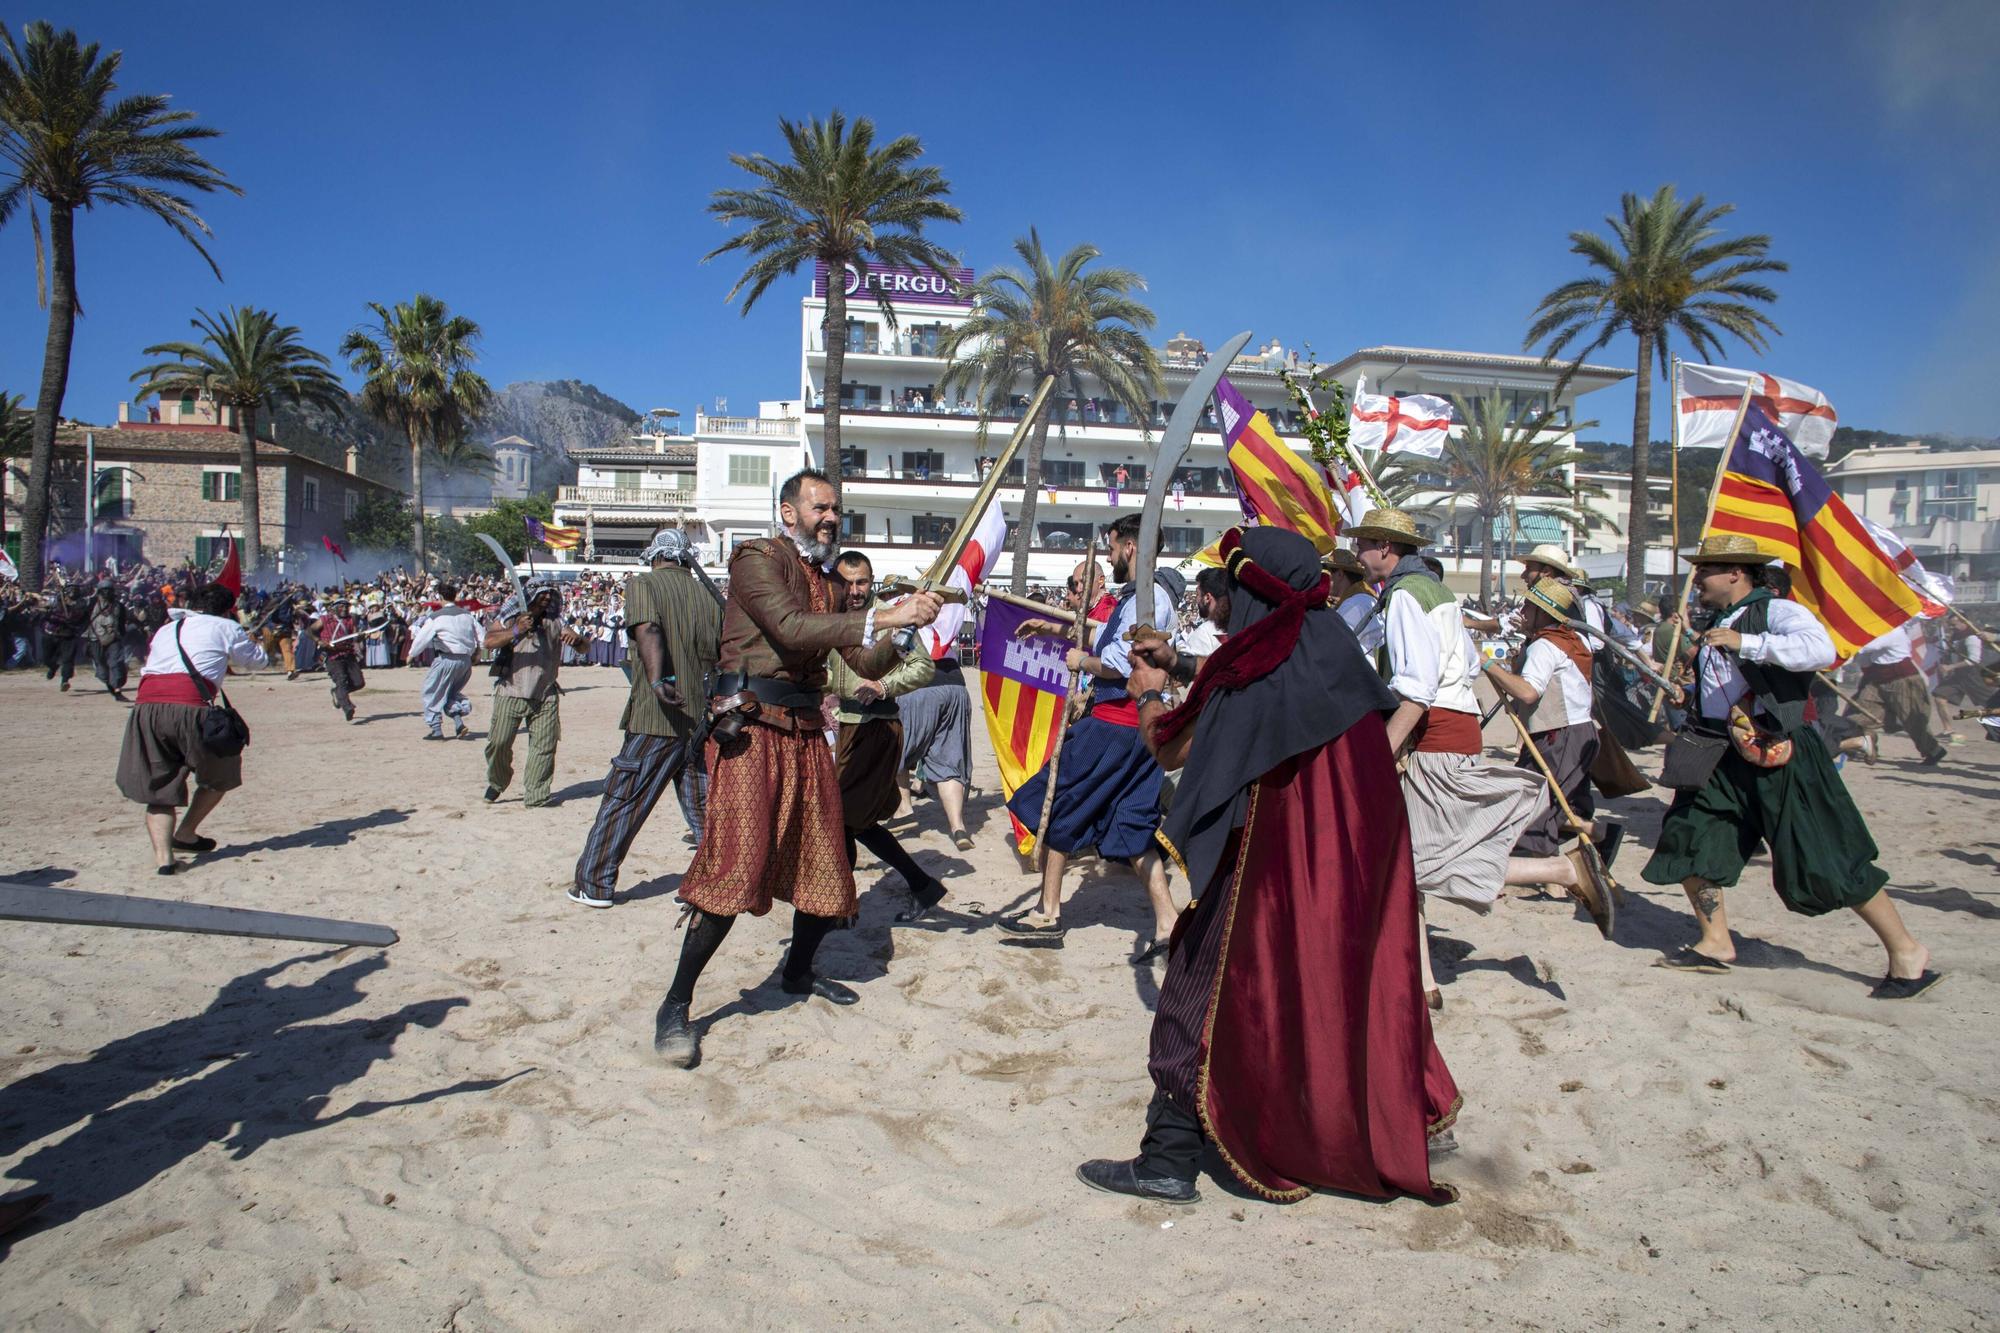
(1071,414)
(1090,409)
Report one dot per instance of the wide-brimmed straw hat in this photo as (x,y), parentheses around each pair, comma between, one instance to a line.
(1387,525)
(1344,560)
(1553,596)
(1554,557)
(1727,548)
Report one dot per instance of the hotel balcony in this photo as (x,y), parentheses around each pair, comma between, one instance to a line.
(1081,427)
(779,428)
(632,504)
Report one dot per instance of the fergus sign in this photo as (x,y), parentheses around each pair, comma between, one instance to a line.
(901,286)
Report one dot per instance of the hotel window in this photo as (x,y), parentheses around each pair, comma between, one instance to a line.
(924,339)
(749,470)
(930,530)
(853,462)
(853,526)
(1182,540)
(217,484)
(923,465)
(861,397)
(861,336)
(1062,472)
(1065,536)
(309,495)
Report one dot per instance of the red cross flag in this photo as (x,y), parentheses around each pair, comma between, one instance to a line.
(1417,424)
(1708,397)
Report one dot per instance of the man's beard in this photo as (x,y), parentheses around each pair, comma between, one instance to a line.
(819,551)
(1121,568)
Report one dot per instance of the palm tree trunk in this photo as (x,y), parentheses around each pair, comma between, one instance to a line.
(253,533)
(416,490)
(834,336)
(1642,434)
(1031,491)
(48,404)
(1486,561)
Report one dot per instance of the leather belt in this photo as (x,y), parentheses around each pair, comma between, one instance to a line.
(882,709)
(775,693)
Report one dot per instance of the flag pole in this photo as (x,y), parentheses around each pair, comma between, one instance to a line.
(1708,517)
(1674,455)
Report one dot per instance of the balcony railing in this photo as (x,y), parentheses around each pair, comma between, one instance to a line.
(1133,493)
(648,497)
(1281,421)
(786,428)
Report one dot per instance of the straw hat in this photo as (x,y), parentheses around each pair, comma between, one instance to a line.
(1389,525)
(1344,560)
(1552,556)
(1726,548)
(1553,596)
(1650,609)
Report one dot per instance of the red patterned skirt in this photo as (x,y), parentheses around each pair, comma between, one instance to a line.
(773,830)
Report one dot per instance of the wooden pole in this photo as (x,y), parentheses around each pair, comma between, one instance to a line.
(1853,704)
(1535,753)
(1673,468)
(1029,604)
(1082,632)
(1708,517)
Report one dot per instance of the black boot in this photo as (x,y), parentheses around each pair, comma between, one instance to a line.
(674,1038)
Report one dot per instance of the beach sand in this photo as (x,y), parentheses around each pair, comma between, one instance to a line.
(469,1130)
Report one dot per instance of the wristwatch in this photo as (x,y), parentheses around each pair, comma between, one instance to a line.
(1154,696)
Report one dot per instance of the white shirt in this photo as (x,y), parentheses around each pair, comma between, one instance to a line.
(1200,639)
(1888,650)
(1116,653)
(1359,613)
(213,643)
(454,629)
(1546,663)
(1432,660)
(1795,641)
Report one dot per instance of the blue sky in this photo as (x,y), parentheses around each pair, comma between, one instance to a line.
(1343,176)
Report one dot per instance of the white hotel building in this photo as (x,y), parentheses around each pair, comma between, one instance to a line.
(910,456)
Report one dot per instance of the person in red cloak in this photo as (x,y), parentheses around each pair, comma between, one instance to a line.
(1291,1030)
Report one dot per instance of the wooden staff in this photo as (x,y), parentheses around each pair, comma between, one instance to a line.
(1029,604)
(1593,861)
(1708,517)
(1081,632)
(1853,703)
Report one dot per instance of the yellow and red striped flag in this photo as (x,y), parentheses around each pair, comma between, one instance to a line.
(556,539)
(1276,486)
(1773,494)
(1023,684)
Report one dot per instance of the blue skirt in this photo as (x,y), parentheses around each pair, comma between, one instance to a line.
(1107,793)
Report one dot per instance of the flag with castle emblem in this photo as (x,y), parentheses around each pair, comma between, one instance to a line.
(1023,685)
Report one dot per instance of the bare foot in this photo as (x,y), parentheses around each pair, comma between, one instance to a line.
(1909,964)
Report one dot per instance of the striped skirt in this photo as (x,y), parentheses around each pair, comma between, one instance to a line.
(1465,817)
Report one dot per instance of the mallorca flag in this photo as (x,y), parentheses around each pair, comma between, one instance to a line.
(1773,494)
(556,539)
(333,547)
(1276,486)
(1024,683)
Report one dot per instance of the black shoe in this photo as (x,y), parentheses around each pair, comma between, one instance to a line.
(1124,1178)
(1151,950)
(674,1038)
(459,734)
(434,735)
(1932,761)
(1441,1144)
(166,869)
(961,840)
(1611,835)
(924,901)
(196,844)
(492,795)
(831,991)
(349,711)
(291,675)
(1022,930)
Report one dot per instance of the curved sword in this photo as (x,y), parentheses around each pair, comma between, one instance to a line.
(1173,448)
(506,563)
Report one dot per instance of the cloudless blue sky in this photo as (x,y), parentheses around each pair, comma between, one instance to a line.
(1343,175)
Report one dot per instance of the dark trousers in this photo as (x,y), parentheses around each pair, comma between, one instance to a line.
(637,780)
(59,655)
(1172,1146)
(108,661)
(883,843)
(344,672)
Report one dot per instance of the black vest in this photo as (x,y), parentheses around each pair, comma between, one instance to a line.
(1780,694)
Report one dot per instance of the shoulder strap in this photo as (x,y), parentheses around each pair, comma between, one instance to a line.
(201,685)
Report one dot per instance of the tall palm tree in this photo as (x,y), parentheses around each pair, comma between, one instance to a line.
(416,375)
(841,200)
(248,361)
(1060,318)
(1666,269)
(15,426)
(63,140)
(1490,465)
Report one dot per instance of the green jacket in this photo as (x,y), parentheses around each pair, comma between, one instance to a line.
(915,671)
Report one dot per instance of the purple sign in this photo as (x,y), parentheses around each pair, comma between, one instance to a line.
(1036,663)
(902,286)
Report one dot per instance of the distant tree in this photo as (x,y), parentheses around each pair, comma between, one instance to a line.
(840,200)
(416,368)
(507,524)
(1492,466)
(248,361)
(66,141)
(1665,270)
(1052,317)
(381,522)
(16,426)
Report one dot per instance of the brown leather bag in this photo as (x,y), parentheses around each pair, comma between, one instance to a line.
(1612,772)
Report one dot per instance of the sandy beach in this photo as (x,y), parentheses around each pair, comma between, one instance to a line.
(469,1130)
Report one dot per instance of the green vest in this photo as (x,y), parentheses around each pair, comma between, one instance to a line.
(1780,693)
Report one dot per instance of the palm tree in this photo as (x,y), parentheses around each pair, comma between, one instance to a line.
(843,201)
(248,361)
(1669,269)
(1490,465)
(15,426)
(65,141)
(416,375)
(1056,319)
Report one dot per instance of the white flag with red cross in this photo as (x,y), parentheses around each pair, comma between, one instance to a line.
(1708,395)
(975,562)
(1414,424)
